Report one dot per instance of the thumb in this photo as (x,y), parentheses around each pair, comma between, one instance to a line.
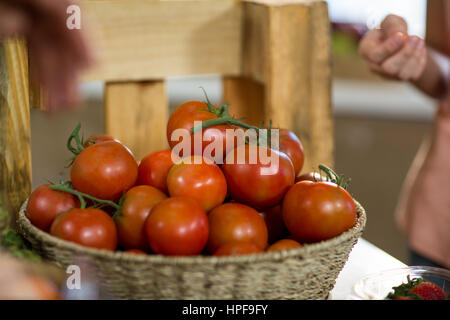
(393,24)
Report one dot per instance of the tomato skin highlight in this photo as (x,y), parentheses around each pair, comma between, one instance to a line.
(88,227)
(284,244)
(293,148)
(247,183)
(203,182)
(44,204)
(177,226)
(237,248)
(317,211)
(154,168)
(183,117)
(233,222)
(104,170)
(137,204)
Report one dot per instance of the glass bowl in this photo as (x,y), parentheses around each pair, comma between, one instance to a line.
(377,286)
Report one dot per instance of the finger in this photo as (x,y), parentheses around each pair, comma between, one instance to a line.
(375,68)
(414,67)
(393,64)
(422,64)
(381,51)
(393,24)
(369,42)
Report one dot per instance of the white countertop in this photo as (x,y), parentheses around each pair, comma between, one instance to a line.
(364,259)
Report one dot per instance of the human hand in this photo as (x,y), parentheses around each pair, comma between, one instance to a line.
(392,53)
(57,54)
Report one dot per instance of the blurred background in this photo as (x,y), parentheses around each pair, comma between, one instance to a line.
(379,124)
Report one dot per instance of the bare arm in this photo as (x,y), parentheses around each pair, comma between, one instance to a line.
(434,79)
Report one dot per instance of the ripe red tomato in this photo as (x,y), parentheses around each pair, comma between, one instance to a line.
(250,184)
(154,168)
(136,206)
(284,244)
(104,170)
(88,227)
(237,248)
(44,204)
(97,139)
(316,211)
(184,116)
(232,222)
(292,147)
(177,226)
(274,222)
(203,182)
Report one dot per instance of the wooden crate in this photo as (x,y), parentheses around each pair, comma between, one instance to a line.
(274,57)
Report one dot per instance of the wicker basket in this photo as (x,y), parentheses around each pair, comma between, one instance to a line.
(308,272)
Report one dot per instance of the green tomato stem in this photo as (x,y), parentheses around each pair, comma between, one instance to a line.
(226,119)
(334,177)
(75,135)
(81,196)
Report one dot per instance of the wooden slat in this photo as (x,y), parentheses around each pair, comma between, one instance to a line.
(136,113)
(15,151)
(246,98)
(321,115)
(143,40)
(287,48)
(36,96)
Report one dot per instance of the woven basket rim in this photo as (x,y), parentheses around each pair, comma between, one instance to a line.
(30,230)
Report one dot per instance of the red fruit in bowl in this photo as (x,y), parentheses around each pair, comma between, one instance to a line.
(274,222)
(417,289)
(258,176)
(44,204)
(200,179)
(429,291)
(237,248)
(154,168)
(177,226)
(87,227)
(235,222)
(104,170)
(136,206)
(292,147)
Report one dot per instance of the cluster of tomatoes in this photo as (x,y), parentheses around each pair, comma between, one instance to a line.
(194,205)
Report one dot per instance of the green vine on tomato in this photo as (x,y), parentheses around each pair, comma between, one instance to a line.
(81,196)
(224,117)
(332,176)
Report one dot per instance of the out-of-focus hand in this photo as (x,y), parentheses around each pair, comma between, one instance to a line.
(392,53)
(57,54)
(14,282)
